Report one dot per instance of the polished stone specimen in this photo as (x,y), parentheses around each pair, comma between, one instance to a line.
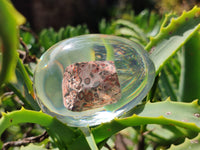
(89,85)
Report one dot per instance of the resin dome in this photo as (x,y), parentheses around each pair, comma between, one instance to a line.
(90,79)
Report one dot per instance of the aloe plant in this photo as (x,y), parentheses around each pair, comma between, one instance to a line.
(163,122)
(10,18)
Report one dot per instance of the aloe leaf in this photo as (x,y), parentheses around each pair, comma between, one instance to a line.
(17,16)
(124,31)
(21,90)
(169,79)
(172,113)
(192,144)
(166,87)
(136,31)
(165,135)
(174,68)
(173,36)
(26,77)
(190,72)
(164,113)
(9,19)
(89,137)
(79,143)
(61,134)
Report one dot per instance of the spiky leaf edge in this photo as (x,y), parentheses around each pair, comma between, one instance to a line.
(167,31)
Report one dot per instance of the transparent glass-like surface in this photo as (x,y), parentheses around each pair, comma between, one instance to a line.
(134,68)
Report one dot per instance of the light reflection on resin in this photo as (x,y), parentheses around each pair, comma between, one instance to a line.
(130,75)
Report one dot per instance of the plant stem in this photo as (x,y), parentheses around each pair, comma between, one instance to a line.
(141,144)
(26,141)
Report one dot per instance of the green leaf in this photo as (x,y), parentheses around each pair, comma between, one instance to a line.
(28,38)
(164,113)
(173,36)
(123,31)
(60,34)
(166,86)
(9,19)
(148,21)
(105,27)
(165,135)
(26,77)
(192,144)
(61,134)
(136,31)
(89,137)
(21,90)
(18,17)
(49,37)
(190,72)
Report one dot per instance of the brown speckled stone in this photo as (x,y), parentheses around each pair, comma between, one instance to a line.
(88,85)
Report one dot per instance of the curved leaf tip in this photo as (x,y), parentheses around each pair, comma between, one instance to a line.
(9,20)
(19,18)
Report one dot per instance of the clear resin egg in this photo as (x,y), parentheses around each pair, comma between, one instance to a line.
(91,79)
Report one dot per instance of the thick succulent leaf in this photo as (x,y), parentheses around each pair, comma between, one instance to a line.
(17,16)
(26,78)
(9,19)
(165,113)
(21,90)
(123,31)
(89,137)
(60,133)
(173,36)
(190,72)
(165,135)
(193,144)
(166,85)
(174,69)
